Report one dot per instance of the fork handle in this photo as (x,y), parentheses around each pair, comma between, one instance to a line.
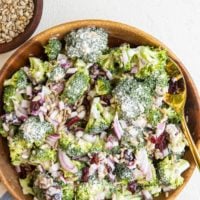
(192,146)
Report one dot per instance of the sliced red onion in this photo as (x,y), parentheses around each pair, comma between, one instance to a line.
(117,127)
(52,139)
(111,177)
(63,61)
(66,163)
(112,141)
(21,113)
(134,70)
(147,195)
(160,128)
(143,163)
(58,87)
(89,138)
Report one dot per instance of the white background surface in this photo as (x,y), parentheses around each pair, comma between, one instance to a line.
(174,22)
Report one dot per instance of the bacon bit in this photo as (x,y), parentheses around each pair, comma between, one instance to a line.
(175,86)
(132,186)
(85,174)
(95,159)
(72,121)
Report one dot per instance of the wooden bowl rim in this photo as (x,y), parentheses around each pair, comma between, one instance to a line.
(29,30)
(108,24)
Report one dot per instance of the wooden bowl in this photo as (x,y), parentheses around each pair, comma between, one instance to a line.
(118,33)
(29,30)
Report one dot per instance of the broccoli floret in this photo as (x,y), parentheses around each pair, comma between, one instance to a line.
(74,147)
(118,59)
(11,98)
(170,170)
(44,156)
(173,116)
(57,74)
(68,192)
(35,131)
(123,172)
(19,150)
(26,185)
(86,43)
(102,86)
(148,61)
(93,188)
(38,69)
(76,86)
(100,117)
(53,48)
(19,80)
(132,97)
(154,116)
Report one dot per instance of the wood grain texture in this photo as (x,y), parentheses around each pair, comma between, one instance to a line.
(118,33)
(29,30)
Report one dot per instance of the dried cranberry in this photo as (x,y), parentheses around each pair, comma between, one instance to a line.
(128,155)
(153,140)
(95,159)
(85,174)
(72,121)
(175,86)
(35,105)
(25,169)
(132,186)
(161,142)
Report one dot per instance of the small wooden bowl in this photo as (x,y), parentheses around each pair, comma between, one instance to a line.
(29,30)
(118,33)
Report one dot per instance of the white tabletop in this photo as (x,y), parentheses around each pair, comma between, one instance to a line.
(174,22)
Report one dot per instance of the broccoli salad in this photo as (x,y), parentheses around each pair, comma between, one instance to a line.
(89,122)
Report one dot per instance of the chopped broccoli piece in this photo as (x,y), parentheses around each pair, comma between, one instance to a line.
(93,188)
(19,150)
(154,116)
(173,116)
(35,131)
(76,86)
(38,69)
(149,60)
(124,194)
(74,147)
(57,74)
(26,185)
(18,80)
(132,97)
(118,59)
(3,133)
(44,156)
(68,192)
(123,172)
(102,86)
(53,48)
(100,117)
(86,43)
(170,170)
(11,98)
